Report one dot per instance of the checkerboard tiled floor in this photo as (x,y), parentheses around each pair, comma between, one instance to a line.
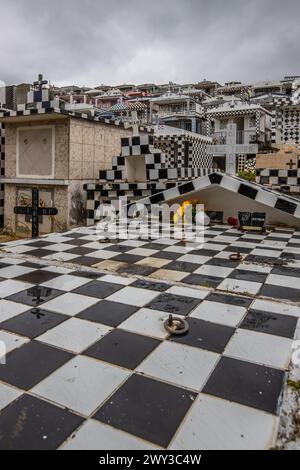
(90,365)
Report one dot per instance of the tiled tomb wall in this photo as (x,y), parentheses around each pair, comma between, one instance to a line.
(2,172)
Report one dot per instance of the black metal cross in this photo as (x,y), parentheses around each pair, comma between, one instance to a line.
(35,211)
(291,164)
(40,82)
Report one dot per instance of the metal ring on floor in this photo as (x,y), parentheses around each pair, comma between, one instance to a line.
(176,326)
(236,257)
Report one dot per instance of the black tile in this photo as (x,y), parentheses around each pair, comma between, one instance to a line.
(77,242)
(31,363)
(238,249)
(271,323)
(33,323)
(37,277)
(40,252)
(147,408)
(246,383)
(201,280)
(205,335)
(230,299)
(203,252)
(86,260)
(98,289)
(80,250)
(35,296)
(167,255)
(40,244)
(118,248)
(269,260)
(108,313)
(290,256)
(247,191)
(286,271)
(137,269)
(33,424)
(176,304)
(123,348)
(126,258)
(156,286)
(279,292)
(251,276)
(87,274)
(225,263)
(182,266)
(76,235)
(154,246)
(29,264)
(4,265)
(286,206)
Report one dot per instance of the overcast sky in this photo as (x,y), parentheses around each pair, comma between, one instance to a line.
(89,42)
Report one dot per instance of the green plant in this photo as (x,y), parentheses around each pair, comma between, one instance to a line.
(248,175)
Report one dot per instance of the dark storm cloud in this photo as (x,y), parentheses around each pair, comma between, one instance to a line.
(96,41)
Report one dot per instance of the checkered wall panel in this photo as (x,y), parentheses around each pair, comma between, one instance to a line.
(256,192)
(2,172)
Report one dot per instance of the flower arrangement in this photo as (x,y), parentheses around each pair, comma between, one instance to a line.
(181,211)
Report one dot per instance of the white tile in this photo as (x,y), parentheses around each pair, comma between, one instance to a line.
(261,348)
(56,238)
(57,269)
(104,254)
(14,271)
(194,259)
(254,236)
(276,307)
(267,253)
(242,287)
(11,287)
(273,244)
(125,281)
(215,271)
(8,395)
(216,424)
(281,235)
(7,260)
(189,292)
(9,309)
(178,249)
(20,249)
(97,245)
(179,364)
(94,435)
(70,304)
(147,322)
(61,256)
(66,282)
(166,241)
(82,384)
(10,342)
(142,252)
(75,334)
(133,296)
(60,247)
(216,312)
(214,246)
(283,281)
(254,268)
(133,243)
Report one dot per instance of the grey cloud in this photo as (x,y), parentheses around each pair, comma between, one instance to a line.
(96,41)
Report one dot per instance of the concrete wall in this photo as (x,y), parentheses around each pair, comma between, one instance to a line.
(218,199)
(92,146)
(280,159)
(61,135)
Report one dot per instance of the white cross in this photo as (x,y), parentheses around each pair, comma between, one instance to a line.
(231,149)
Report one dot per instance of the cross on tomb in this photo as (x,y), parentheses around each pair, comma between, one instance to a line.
(35,211)
(231,149)
(291,164)
(38,88)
